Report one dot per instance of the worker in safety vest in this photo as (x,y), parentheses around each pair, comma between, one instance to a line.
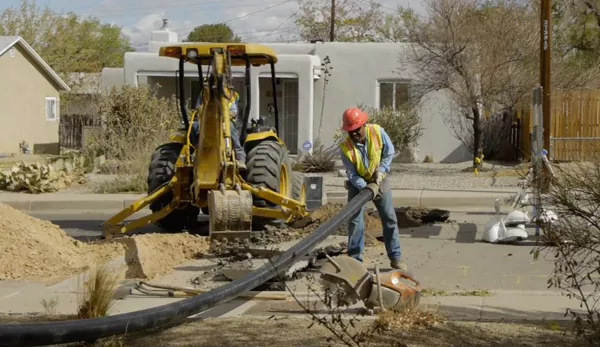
(367,155)
(240,154)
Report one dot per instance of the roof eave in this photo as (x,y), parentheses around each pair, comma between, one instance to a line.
(53,75)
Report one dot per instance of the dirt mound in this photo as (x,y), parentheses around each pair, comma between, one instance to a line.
(33,249)
(152,255)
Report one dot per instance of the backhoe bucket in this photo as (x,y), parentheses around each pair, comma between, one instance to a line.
(230,214)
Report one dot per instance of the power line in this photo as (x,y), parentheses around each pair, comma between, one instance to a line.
(269,31)
(288,18)
(241,17)
(189,10)
(134,8)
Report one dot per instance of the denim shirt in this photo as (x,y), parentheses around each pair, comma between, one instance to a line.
(384,166)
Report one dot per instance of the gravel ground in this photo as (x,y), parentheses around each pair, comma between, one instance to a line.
(443,176)
(295,331)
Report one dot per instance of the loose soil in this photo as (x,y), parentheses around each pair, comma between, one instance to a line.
(408,217)
(295,331)
(34,249)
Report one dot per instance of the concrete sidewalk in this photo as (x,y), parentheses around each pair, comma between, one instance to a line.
(499,306)
(115,202)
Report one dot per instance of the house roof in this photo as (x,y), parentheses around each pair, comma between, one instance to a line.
(7,42)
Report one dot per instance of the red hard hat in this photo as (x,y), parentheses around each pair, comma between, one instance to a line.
(353,119)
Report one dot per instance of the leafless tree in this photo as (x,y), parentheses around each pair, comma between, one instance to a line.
(355,20)
(483,55)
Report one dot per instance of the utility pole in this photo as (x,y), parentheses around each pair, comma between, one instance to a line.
(545,64)
(545,82)
(332,24)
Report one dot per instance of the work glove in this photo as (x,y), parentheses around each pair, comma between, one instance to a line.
(379,176)
(374,188)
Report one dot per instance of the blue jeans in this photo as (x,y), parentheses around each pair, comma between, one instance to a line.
(356,226)
(240,155)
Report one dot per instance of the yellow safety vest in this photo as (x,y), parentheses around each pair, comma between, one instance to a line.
(236,98)
(374,146)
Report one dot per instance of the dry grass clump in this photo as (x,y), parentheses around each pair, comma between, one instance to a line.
(406,320)
(97,293)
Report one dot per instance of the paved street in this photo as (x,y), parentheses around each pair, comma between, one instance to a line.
(448,256)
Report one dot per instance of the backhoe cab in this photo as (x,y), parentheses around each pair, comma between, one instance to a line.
(189,174)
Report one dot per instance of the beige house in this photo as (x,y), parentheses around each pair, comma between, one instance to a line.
(29,99)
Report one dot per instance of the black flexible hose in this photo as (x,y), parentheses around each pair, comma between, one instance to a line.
(43,334)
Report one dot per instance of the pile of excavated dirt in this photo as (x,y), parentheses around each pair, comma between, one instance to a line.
(152,255)
(33,249)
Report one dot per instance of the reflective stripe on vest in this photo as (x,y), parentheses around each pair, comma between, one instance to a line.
(374,147)
(236,98)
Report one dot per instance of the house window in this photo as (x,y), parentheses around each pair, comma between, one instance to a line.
(51,108)
(393,94)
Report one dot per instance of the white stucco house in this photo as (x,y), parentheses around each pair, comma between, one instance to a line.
(362,73)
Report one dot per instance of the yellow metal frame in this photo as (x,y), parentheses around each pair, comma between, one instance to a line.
(215,147)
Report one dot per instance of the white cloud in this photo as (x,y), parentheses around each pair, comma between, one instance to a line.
(263,21)
(139,33)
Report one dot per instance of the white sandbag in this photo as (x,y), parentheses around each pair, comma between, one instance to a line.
(494,230)
(515,234)
(517,217)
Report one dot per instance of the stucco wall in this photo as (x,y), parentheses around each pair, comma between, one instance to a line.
(357,67)
(25,87)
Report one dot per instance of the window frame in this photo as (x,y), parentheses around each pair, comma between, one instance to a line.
(47,109)
(394,81)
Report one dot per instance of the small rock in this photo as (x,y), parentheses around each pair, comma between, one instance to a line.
(341,173)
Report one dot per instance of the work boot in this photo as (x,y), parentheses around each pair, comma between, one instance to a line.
(399,265)
(242,166)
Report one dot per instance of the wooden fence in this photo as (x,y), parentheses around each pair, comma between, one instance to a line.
(71,129)
(575,128)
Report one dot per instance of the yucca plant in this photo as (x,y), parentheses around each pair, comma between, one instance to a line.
(322,159)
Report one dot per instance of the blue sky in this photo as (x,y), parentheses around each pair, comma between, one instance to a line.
(254,20)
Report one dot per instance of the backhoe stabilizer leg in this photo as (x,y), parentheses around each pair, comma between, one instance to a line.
(297,209)
(230,214)
(111,226)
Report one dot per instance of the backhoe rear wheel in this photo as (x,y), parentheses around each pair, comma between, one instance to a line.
(298,187)
(160,172)
(268,166)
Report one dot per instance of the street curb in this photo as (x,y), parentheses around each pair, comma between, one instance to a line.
(434,198)
(116,202)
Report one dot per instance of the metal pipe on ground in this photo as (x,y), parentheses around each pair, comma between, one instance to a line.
(44,334)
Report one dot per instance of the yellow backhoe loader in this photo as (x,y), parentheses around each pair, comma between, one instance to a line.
(188,175)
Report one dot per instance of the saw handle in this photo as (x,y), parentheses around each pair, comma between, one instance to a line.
(412,279)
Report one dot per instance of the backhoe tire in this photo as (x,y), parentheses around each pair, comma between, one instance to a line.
(265,164)
(160,172)
(298,187)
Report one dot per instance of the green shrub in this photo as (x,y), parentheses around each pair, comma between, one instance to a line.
(403,125)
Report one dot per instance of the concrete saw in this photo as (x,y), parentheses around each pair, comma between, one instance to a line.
(351,280)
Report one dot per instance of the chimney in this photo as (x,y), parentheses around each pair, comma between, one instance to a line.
(162,37)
